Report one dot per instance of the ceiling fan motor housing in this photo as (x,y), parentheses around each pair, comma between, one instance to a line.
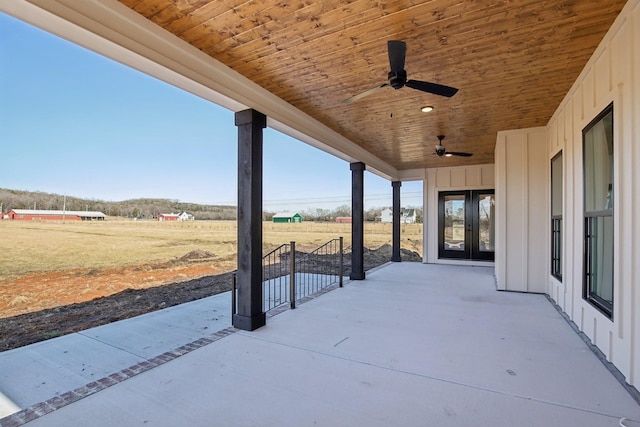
(397,79)
(440,150)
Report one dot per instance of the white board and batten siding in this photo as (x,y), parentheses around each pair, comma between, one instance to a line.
(522,210)
(611,75)
(523,217)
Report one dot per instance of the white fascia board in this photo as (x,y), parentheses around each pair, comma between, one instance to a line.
(117,32)
(412,175)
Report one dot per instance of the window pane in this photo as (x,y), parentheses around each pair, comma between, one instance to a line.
(598,165)
(600,269)
(454,224)
(556,186)
(486,208)
(556,248)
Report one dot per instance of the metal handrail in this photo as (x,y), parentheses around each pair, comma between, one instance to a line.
(279,248)
(287,278)
(275,275)
(322,266)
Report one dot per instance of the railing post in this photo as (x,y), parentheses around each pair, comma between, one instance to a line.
(292,278)
(233,293)
(341,260)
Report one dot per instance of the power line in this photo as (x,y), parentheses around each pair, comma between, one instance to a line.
(346,200)
(409,194)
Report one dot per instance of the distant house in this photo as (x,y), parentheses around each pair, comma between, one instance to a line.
(287,217)
(344,219)
(184,216)
(38,214)
(407,216)
(386,215)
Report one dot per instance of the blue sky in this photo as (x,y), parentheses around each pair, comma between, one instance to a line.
(73,122)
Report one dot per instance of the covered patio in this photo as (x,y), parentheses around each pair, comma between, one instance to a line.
(414,344)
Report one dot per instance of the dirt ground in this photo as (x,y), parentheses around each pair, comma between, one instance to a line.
(43,306)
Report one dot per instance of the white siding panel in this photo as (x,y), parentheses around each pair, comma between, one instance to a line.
(553,135)
(517,205)
(538,210)
(602,76)
(443,178)
(568,212)
(619,55)
(501,211)
(522,210)
(578,106)
(557,133)
(568,123)
(488,176)
(634,295)
(458,177)
(588,93)
(473,177)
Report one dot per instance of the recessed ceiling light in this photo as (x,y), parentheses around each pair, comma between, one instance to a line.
(427,109)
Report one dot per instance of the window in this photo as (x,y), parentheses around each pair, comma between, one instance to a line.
(597,140)
(556,216)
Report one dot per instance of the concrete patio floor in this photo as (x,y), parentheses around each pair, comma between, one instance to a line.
(412,345)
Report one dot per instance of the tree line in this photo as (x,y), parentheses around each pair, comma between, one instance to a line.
(151,208)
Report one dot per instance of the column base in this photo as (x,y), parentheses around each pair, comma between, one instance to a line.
(249,323)
(357,276)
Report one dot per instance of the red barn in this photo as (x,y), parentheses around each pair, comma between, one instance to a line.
(36,214)
(168,217)
(344,219)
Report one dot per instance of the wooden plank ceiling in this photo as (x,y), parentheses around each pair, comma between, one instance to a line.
(513,61)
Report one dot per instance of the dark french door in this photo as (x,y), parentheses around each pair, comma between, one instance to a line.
(466,225)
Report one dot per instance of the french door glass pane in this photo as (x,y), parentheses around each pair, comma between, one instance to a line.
(454,222)
(486,210)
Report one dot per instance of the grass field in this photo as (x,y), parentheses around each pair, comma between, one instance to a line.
(40,247)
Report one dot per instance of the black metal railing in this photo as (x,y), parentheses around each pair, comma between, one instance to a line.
(289,275)
(319,269)
(278,275)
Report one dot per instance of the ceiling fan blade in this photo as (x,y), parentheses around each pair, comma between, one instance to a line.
(435,88)
(458,153)
(365,93)
(397,52)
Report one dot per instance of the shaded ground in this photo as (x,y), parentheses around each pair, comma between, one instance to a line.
(42,306)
